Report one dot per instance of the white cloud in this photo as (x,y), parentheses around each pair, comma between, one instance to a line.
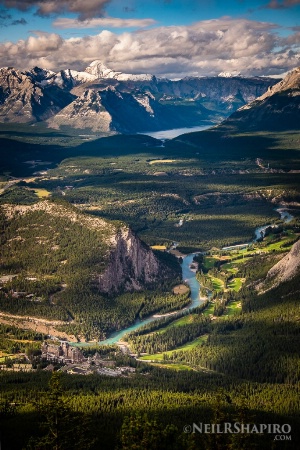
(110,22)
(43,43)
(204,48)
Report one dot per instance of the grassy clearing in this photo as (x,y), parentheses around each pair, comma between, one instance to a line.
(159,247)
(4,355)
(180,289)
(177,367)
(230,267)
(281,245)
(209,262)
(235,284)
(41,193)
(182,321)
(233,308)
(186,347)
(242,260)
(218,284)
(209,310)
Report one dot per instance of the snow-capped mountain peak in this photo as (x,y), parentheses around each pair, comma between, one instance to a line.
(235,73)
(100,70)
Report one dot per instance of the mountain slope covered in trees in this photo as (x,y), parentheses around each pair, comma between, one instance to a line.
(61,264)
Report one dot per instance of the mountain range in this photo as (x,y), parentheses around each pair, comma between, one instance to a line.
(277,109)
(106,101)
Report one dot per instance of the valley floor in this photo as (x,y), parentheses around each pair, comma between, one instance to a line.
(235,357)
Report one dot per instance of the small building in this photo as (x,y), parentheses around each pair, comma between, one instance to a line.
(22,367)
(62,353)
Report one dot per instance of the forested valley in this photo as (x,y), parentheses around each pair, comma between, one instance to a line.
(234,358)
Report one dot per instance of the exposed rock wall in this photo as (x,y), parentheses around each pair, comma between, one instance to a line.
(86,111)
(24,100)
(226,92)
(286,269)
(132,265)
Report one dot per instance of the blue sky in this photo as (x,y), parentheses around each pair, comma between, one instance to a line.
(173,38)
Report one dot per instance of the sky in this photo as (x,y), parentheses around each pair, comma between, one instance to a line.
(167,38)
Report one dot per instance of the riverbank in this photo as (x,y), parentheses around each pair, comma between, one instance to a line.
(189,277)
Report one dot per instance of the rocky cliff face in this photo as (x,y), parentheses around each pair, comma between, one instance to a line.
(120,261)
(290,85)
(132,265)
(227,94)
(276,109)
(109,110)
(23,99)
(286,269)
(85,112)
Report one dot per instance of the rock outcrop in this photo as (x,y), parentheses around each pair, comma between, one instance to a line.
(285,270)
(288,267)
(121,263)
(86,112)
(132,265)
(23,99)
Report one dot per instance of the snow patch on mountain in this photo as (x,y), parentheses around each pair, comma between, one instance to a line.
(144,100)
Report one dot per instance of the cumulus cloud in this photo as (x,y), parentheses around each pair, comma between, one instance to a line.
(110,22)
(85,9)
(43,44)
(204,48)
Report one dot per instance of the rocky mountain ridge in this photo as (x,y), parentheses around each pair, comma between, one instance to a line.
(108,110)
(39,94)
(23,100)
(69,78)
(276,109)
